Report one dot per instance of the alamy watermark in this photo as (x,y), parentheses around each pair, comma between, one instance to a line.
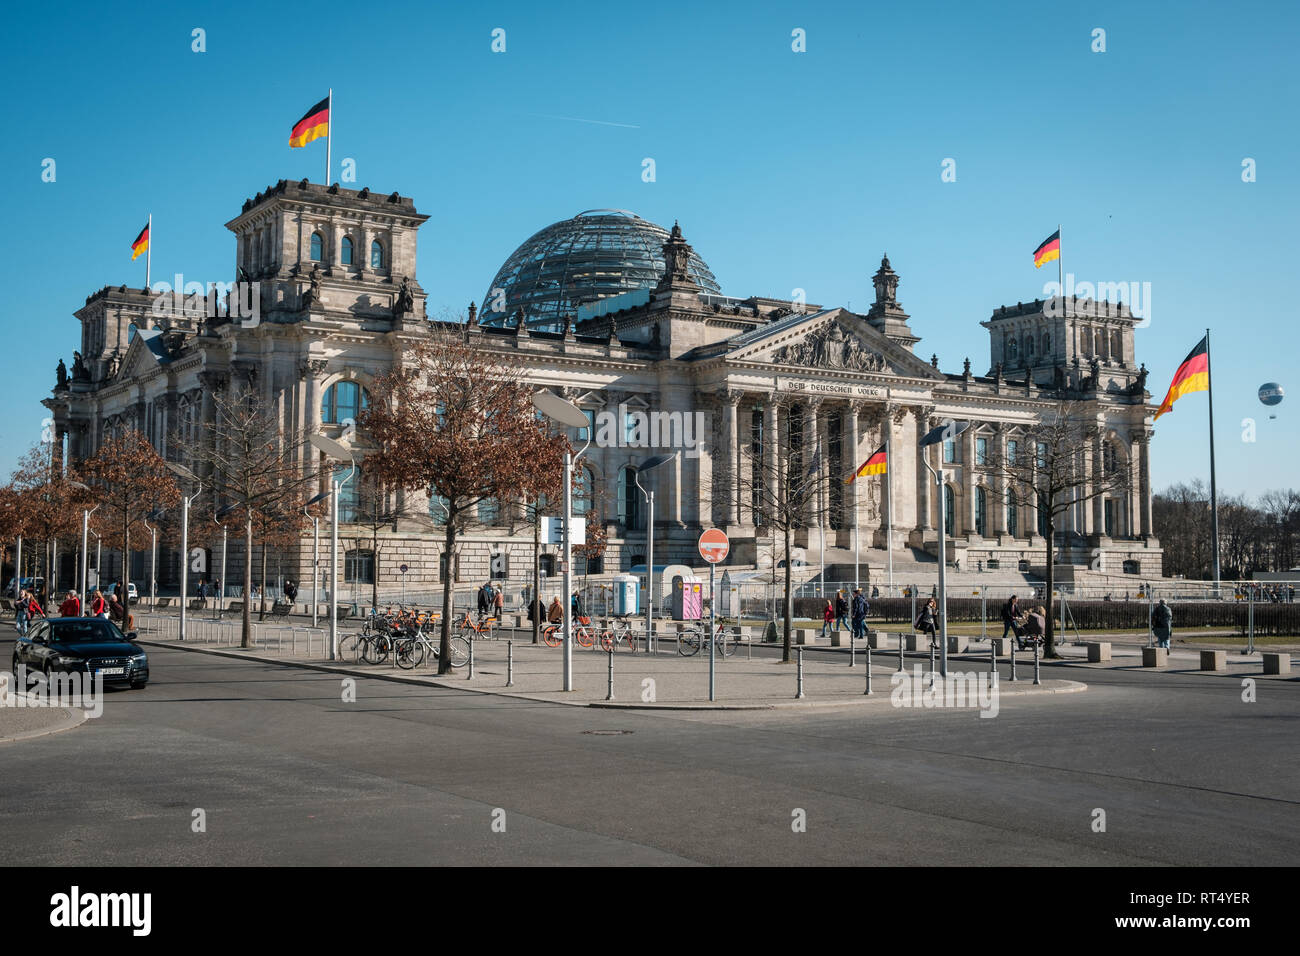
(635,428)
(57,690)
(239,300)
(1091,298)
(969,689)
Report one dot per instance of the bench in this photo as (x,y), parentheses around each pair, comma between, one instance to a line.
(197,604)
(234,607)
(164,603)
(281,608)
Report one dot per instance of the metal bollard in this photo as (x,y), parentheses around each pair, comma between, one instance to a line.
(1037,679)
(993,657)
(1013,659)
(470,676)
(510,663)
(609,673)
(853,649)
(799,674)
(901,666)
(867,693)
(932,651)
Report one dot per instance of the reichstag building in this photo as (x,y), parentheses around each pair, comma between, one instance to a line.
(622,316)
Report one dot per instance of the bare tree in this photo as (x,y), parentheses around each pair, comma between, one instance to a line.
(46,506)
(1054,469)
(460,424)
(253,465)
(786,492)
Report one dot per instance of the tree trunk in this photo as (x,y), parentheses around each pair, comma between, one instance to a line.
(374,574)
(261,603)
(246,637)
(444,642)
(1049,637)
(789,602)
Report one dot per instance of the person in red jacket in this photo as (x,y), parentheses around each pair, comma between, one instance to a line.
(98,606)
(71,606)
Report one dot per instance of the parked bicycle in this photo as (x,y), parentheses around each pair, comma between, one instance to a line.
(583,634)
(618,633)
(692,640)
(410,652)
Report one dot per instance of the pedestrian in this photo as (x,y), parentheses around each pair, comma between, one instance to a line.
(841,610)
(875,592)
(1010,614)
(290,590)
(859,613)
(1162,621)
(484,598)
(98,606)
(927,621)
(71,606)
(828,619)
(498,602)
(1035,627)
(535,610)
(555,613)
(576,606)
(22,612)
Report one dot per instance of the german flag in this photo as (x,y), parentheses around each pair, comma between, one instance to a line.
(314,124)
(875,465)
(1192,376)
(1048,249)
(141,243)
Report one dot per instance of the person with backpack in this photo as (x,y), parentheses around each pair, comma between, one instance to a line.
(1162,622)
(484,598)
(927,621)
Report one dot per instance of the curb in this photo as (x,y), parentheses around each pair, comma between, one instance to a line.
(1071,687)
(72,718)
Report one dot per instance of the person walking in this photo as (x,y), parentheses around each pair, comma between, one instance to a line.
(828,619)
(98,606)
(841,610)
(71,606)
(555,613)
(576,607)
(859,613)
(23,611)
(1162,622)
(498,602)
(484,598)
(1010,615)
(928,621)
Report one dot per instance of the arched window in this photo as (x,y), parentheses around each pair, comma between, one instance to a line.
(345,252)
(582,492)
(1011,514)
(1013,350)
(1116,347)
(1087,343)
(546,564)
(949,512)
(1029,346)
(629,499)
(1047,343)
(376,255)
(981,506)
(437,506)
(317,247)
(1043,514)
(343,401)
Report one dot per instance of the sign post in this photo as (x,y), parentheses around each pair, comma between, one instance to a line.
(714,546)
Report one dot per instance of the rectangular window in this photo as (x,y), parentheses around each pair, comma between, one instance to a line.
(981,451)
(1011,452)
(1042,454)
(588,433)
(949,451)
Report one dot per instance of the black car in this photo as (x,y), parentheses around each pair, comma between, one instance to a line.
(82,645)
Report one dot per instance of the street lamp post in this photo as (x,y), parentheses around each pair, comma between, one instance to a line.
(338,452)
(647,465)
(182,472)
(566,413)
(315,556)
(945,432)
(225,534)
(85,539)
(155,515)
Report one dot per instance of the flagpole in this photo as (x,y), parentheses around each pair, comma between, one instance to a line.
(148,252)
(857,571)
(1060,268)
(1214,496)
(889,503)
(329,134)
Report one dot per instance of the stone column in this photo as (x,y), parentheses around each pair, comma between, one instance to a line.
(814,512)
(772,451)
(968,482)
(1000,482)
(851,441)
(729,472)
(923,479)
(1097,479)
(1144,482)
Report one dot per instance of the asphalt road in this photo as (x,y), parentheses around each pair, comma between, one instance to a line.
(286,772)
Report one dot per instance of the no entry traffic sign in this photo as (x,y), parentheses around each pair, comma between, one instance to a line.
(714,545)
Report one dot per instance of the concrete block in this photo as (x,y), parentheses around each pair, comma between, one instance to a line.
(804,636)
(1098,652)
(917,642)
(1001,646)
(1277,663)
(1155,657)
(958,644)
(881,641)
(840,638)
(1214,660)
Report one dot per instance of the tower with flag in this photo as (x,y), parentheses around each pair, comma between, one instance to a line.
(314,124)
(141,244)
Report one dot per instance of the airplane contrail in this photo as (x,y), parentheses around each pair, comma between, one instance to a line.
(578,119)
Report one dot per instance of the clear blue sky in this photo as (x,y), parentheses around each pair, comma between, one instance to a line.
(785,170)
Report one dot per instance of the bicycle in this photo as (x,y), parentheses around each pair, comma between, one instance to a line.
(615,634)
(553,634)
(481,630)
(410,652)
(691,640)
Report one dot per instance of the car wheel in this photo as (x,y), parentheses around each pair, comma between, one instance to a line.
(138,684)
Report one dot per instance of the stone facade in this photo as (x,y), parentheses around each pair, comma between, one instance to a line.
(704,369)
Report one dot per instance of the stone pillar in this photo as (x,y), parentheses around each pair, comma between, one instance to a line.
(968,482)
(814,512)
(729,472)
(923,479)
(1096,479)
(1144,482)
(851,442)
(772,451)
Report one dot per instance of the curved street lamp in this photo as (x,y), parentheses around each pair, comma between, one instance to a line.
(338,452)
(85,540)
(315,555)
(647,465)
(945,432)
(180,471)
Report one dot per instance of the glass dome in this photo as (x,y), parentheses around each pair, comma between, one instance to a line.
(596,254)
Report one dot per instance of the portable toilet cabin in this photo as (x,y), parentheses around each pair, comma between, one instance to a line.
(687,602)
(661,583)
(627,595)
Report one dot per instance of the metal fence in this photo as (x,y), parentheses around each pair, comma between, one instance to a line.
(271,638)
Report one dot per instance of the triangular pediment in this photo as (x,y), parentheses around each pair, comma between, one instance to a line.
(832,340)
(144,354)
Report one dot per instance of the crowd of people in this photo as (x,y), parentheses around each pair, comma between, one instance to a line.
(111,608)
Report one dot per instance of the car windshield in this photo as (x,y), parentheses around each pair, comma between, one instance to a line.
(88,631)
